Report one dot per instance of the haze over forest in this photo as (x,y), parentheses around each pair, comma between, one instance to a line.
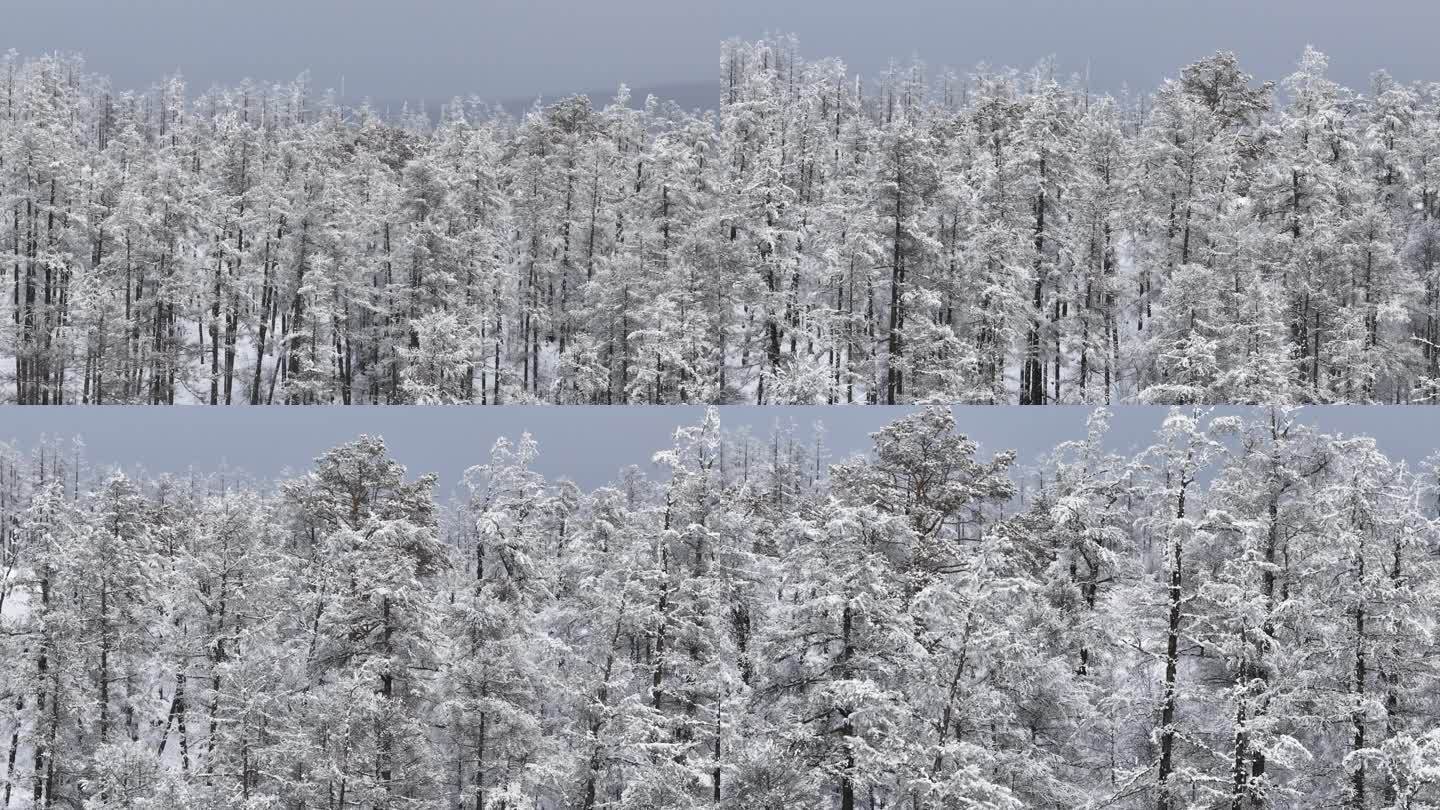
(511,50)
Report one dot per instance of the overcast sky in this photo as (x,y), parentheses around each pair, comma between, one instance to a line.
(507,49)
(586,444)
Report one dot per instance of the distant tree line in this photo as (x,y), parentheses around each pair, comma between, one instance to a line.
(996,237)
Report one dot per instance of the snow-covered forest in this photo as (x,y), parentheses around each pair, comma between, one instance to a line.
(995,236)
(1242,615)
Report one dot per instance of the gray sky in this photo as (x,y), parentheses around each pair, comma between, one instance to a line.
(504,49)
(587,444)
